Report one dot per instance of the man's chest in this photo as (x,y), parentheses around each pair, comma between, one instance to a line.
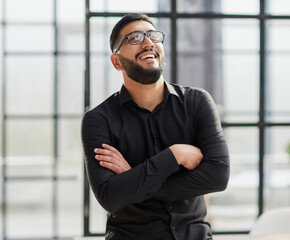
(140,134)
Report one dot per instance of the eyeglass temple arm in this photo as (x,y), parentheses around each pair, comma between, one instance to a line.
(116,49)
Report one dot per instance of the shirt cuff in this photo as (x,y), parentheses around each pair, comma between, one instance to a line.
(165,163)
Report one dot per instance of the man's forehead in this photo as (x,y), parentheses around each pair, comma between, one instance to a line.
(140,26)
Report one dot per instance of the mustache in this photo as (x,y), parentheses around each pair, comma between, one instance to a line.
(147,50)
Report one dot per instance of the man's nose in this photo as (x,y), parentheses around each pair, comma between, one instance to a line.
(147,42)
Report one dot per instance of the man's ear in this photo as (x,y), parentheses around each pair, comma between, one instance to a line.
(116,62)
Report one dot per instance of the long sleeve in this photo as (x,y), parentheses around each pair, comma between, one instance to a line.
(213,173)
(118,191)
(157,198)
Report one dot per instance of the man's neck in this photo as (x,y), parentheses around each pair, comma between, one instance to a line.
(146,96)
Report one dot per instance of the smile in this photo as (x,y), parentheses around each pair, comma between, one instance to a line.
(146,56)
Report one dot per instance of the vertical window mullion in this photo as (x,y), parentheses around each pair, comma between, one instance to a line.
(173,42)
(4,136)
(86,207)
(55,123)
(261,107)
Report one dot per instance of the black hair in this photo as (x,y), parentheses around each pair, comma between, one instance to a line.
(128,18)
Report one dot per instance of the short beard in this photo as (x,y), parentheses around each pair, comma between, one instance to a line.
(140,74)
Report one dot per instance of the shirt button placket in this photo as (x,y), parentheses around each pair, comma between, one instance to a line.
(170,208)
(152,128)
(154,134)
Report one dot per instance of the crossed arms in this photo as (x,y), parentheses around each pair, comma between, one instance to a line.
(109,157)
(179,172)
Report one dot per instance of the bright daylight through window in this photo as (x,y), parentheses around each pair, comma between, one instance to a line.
(241,57)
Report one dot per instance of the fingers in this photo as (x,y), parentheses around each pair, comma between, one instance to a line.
(112,149)
(110,158)
(108,162)
(109,151)
(105,152)
(105,158)
(116,169)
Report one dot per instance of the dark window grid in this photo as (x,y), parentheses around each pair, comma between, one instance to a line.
(173,15)
(49,178)
(3,126)
(28,53)
(42,116)
(55,116)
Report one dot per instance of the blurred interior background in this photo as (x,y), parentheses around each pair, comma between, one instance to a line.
(238,50)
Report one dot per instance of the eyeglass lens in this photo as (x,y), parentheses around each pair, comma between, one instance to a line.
(138,37)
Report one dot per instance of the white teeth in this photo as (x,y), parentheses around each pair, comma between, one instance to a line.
(148,56)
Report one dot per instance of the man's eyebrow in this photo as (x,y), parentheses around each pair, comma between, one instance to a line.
(151,30)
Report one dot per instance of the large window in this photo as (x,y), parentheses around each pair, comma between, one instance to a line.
(239,52)
(42,75)
(53,68)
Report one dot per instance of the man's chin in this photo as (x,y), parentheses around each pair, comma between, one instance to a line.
(141,71)
(150,65)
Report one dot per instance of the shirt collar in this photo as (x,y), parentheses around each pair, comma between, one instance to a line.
(169,89)
(124,95)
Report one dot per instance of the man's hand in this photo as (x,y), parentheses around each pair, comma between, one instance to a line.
(187,155)
(109,157)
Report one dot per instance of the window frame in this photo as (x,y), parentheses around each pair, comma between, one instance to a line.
(262,124)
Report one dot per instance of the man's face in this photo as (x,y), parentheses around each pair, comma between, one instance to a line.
(142,63)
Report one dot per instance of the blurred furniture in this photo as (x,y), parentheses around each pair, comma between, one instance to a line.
(271,222)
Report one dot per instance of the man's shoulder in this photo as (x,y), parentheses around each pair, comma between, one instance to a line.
(188,91)
(111,104)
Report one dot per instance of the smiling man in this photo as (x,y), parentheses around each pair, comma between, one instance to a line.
(153,149)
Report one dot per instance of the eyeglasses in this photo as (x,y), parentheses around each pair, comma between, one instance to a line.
(136,38)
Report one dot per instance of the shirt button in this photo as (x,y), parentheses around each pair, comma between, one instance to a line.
(174,228)
(170,207)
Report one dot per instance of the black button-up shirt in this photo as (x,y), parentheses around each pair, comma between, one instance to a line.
(157,199)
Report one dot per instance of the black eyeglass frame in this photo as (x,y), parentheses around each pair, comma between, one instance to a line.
(117,48)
